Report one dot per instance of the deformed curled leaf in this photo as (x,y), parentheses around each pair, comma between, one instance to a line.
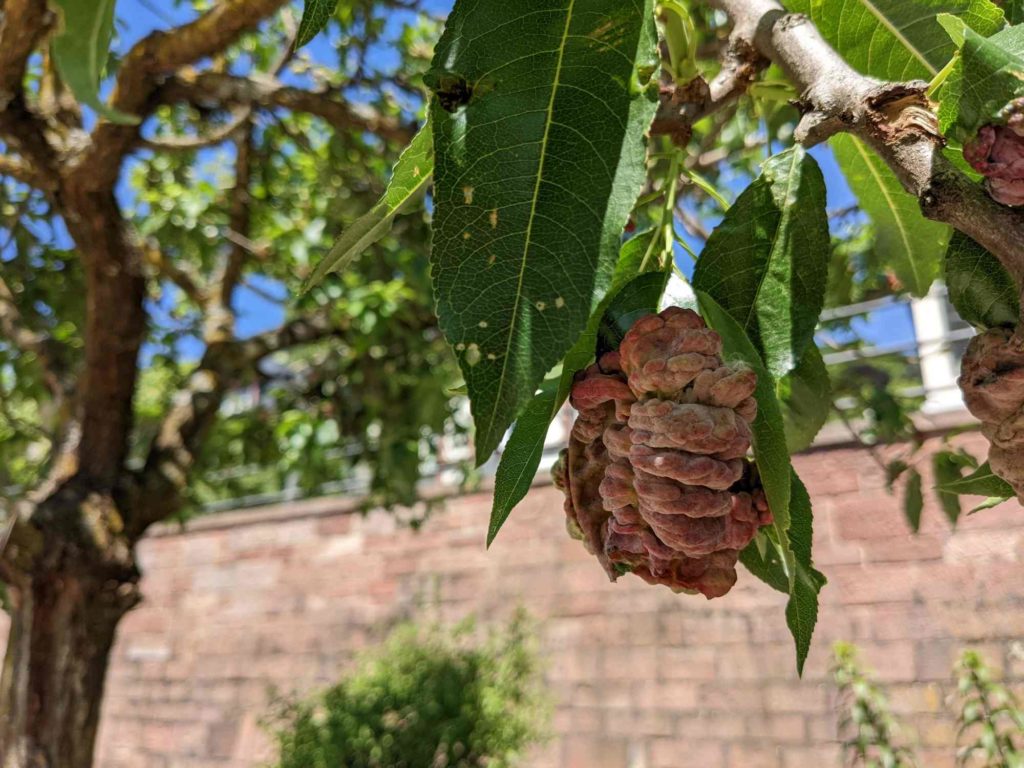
(632,293)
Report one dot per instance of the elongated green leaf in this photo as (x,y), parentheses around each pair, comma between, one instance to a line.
(913,500)
(766,263)
(946,469)
(990,74)
(539,116)
(629,295)
(979,286)
(766,563)
(806,397)
(802,608)
(315,15)
(895,39)
(907,242)
(410,177)
(982,482)
(769,432)
(80,50)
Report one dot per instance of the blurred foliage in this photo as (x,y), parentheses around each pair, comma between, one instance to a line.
(991,720)
(367,407)
(871,735)
(426,697)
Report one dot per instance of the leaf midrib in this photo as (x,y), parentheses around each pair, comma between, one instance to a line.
(775,243)
(533,214)
(898,34)
(900,225)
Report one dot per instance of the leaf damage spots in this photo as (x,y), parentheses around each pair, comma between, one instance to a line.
(472,355)
(466,235)
(467,194)
(559,302)
(541,305)
(482,324)
(494,218)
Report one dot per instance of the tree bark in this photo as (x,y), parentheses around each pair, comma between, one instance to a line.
(63,621)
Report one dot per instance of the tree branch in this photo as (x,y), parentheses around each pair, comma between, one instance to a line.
(158,486)
(213,90)
(683,105)
(19,170)
(22,24)
(894,119)
(181,277)
(156,56)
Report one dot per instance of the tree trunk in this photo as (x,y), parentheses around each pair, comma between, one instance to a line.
(62,630)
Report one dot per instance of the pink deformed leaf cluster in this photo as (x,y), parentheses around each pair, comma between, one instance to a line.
(992,381)
(997,153)
(656,476)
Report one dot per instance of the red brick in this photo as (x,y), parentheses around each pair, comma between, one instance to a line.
(683,753)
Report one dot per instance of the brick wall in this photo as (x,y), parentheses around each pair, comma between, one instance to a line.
(643,678)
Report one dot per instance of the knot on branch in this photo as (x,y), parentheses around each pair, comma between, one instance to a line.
(900,112)
(680,107)
(656,476)
(992,381)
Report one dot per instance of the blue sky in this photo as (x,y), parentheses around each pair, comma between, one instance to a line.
(137,18)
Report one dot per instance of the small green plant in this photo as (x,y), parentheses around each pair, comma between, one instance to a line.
(991,722)
(427,698)
(870,732)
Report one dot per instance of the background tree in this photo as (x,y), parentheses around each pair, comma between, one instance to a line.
(152,356)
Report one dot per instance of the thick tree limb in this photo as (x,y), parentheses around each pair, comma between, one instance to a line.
(22,24)
(894,119)
(157,56)
(214,90)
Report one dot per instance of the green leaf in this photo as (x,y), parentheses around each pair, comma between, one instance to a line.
(531,198)
(630,295)
(982,482)
(947,470)
(989,75)
(806,397)
(895,39)
(766,563)
(802,608)
(905,240)
(80,51)
(979,286)
(768,430)
(766,263)
(410,177)
(315,15)
(913,500)
(991,501)
(1014,10)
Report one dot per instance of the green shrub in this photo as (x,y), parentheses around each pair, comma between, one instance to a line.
(426,699)
(991,722)
(870,732)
